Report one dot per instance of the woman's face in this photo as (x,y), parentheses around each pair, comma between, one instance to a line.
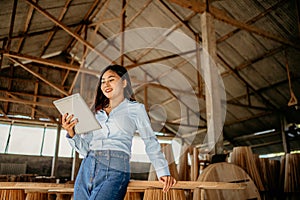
(112,85)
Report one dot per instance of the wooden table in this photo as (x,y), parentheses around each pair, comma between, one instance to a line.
(40,191)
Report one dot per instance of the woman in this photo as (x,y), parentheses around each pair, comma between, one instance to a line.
(104,173)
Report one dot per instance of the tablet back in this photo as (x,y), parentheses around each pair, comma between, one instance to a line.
(76,105)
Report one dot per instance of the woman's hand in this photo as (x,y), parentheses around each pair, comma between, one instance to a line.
(168,182)
(68,123)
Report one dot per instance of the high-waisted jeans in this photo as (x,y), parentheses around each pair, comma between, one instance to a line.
(103,175)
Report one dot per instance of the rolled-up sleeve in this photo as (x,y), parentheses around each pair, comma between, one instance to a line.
(81,143)
(152,145)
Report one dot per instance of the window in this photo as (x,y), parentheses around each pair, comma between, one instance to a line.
(65,150)
(25,140)
(33,140)
(4,131)
(49,142)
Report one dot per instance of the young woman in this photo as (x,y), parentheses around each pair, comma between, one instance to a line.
(104,172)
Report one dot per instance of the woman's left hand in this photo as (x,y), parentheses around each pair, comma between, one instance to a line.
(168,182)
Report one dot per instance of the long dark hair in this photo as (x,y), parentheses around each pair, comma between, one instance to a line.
(101,101)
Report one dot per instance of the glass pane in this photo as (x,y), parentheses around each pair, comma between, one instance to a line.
(25,140)
(49,142)
(4,129)
(65,150)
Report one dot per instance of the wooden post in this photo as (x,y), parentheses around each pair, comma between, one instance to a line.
(75,166)
(285,143)
(212,92)
(195,164)
(55,157)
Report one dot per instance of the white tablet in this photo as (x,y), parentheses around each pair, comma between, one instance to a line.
(76,105)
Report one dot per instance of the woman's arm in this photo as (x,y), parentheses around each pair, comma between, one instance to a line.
(79,142)
(153,149)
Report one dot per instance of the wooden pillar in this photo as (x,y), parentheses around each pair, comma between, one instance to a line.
(55,157)
(285,143)
(75,166)
(195,164)
(212,92)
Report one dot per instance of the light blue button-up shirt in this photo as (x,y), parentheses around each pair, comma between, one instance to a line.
(117,133)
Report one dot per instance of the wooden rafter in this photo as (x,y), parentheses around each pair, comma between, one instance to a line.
(257,59)
(155,60)
(251,21)
(51,63)
(122,29)
(27,102)
(12,22)
(32,106)
(35,33)
(36,88)
(59,89)
(138,13)
(237,74)
(162,38)
(30,95)
(52,33)
(26,27)
(89,15)
(170,91)
(69,31)
(218,14)
(6,104)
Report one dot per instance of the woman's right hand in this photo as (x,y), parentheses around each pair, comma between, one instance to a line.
(68,123)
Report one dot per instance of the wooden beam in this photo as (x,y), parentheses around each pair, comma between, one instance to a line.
(51,63)
(254,60)
(30,95)
(11,73)
(69,31)
(262,114)
(237,74)
(36,88)
(138,13)
(170,91)
(163,37)
(5,99)
(71,42)
(40,77)
(122,29)
(12,22)
(52,33)
(198,6)
(183,21)
(26,27)
(285,143)
(251,21)
(36,33)
(33,107)
(131,66)
(266,144)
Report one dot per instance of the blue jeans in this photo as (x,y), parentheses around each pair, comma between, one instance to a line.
(103,175)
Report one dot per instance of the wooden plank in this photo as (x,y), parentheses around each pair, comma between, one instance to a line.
(133,185)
